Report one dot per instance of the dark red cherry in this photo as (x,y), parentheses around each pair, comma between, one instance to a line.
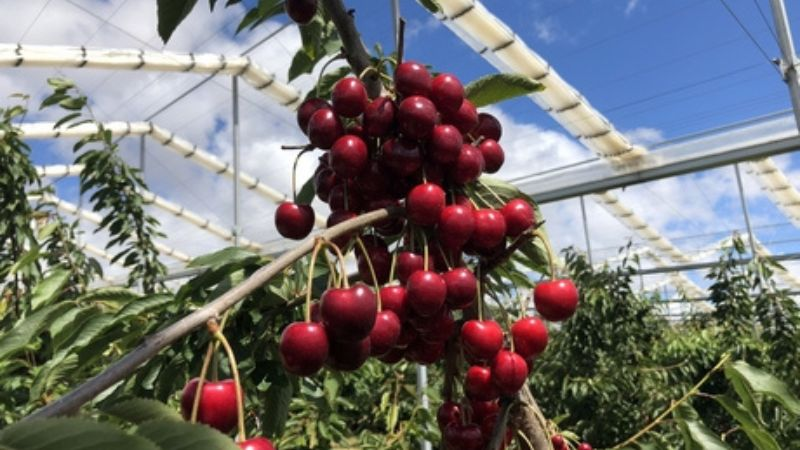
(488,127)
(412,78)
(424,352)
(306,109)
(324,181)
(447,93)
(348,356)
(416,117)
(478,384)
(519,217)
(301,11)
(468,166)
(379,117)
(493,155)
(294,221)
(461,287)
(426,292)
(449,412)
(425,203)
(349,156)
(379,256)
(403,156)
(304,348)
(408,263)
(509,372)
(482,338)
(385,333)
(337,217)
(349,97)
(463,437)
(338,201)
(324,128)
(490,230)
(465,119)
(393,298)
(348,313)
(394,356)
(455,228)
(445,143)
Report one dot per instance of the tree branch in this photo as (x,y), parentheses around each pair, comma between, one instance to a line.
(154,343)
(354,49)
(528,419)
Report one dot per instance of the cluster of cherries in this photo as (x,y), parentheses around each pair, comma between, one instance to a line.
(559,443)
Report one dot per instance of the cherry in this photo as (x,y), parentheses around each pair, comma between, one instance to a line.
(393,298)
(408,263)
(584,446)
(338,201)
(425,203)
(468,166)
(337,217)
(407,335)
(478,384)
(465,118)
(530,336)
(306,109)
(461,287)
(348,313)
(217,407)
(316,316)
(518,215)
(349,97)
(349,156)
(463,200)
(456,225)
(412,78)
(449,412)
(459,436)
(490,230)
(424,352)
(416,117)
(324,181)
(385,333)
(488,127)
(324,128)
(482,338)
(294,221)
(556,300)
(304,348)
(356,130)
(558,441)
(256,444)
(447,93)
(426,292)
(379,117)
(493,155)
(445,143)
(374,181)
(440,329)
(348,356)
(403,156)
(395,355)
(509,372)
(483,409)
(379,256)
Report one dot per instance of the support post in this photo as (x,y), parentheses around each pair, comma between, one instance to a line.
(586,231)
(396,22)
(142,148)
(788,63)
(235,128)
(422,384)
(750,237)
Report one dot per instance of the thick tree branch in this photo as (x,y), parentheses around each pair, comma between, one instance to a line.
(499,431)
(354,49)
(154,343)
(528,419)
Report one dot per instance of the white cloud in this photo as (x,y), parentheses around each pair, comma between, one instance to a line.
(547,30)
(631,6)
(415,27)
(644,136)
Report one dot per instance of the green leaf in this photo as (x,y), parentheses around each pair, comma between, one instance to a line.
(763,383)
(431,5)
(49,288)
(24,331)
(301,63)
(306,194)
(141,306)
(70,434)
(51,373)
(222,257)
(73,103)
(170,14)
(185,436)
(66,119)
(495,88)
(110,294)
(278,398)
(696,435)
(256,16)
(759,436)
(60,83)
(139,410)
(326,83)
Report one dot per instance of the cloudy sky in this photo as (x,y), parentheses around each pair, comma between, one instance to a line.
(658,70)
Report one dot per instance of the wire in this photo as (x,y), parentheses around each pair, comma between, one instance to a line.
(749,35)
(105,22)
(35,19)
(766,22)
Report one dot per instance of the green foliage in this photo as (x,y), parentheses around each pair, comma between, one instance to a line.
(495,88)
(170,14)
(319,39)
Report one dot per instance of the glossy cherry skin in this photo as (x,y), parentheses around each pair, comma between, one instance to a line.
(445,143)
(530,336)
(324,128)
(456,225)
(304,348)
(374,181)
(416,117)
(348,313)
(338,201)
(426,292)
(412,78)
(385,333)
(349,156)
(481,410)
(425,204)
(324,181)
(348,356)
(584,446)
(519,217)
(509,372)
(379,117)
(463,437)
(349,97)
(402,156)
(556,300)
(301,11)
(408,263)
(490,229)
(462,286)
(468,165)
(379,256)
(482,338)
(558,441)
(478,384)
(217,407)
(447,92)
(493,155)
(294,221)
(306,109)
(449,412)
(256,444)
(488,127)
(465,118)
(393,298)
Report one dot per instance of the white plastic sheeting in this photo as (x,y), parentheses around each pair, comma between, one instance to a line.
(778,188)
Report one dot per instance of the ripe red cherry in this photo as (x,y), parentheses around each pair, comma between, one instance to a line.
(447,93)
(456,225)
(385,333)
(425,203)
(403,156)
(324,128)
(393,298)
(465,119)
(348,313)
(408,263)
(348,356)
(395,355)
(337,217)
(518,215)
(584,446)
(338,201)
(441,328)
(217,407)
(256,444)
(407,335)
(424,352)
(463,200)
(304,348)
(374,181)
(324,181)
(426,292)
(509,372)
(488,127)
(301,11)
(482,338)
(445,143)
(530,336)
(463,436)
(478,384)
(379,117)
(482,410)
(493,155)
(416,117)
(461,287)
(379,256)
(294,221)
(349,97)
(490,229)
(558,441)
(556,300)
(449,412)
(306,109)
(412,78)
(468,165)
(349,156)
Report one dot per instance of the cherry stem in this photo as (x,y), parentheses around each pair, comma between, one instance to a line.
(214,360)
(200,381)
(367,71)
(342,267)
(310,282)
(336,57)
(393,267)
(294,173)
(297,147)
(425,252)
(401,37)
(371,271)
(506,316)
(236,380)
(334,278)
(478,293)
(346,203)
(485,202)
(551,257)
(444,257)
